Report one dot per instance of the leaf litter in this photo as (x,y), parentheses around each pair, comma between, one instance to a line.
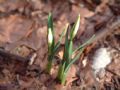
(23,30)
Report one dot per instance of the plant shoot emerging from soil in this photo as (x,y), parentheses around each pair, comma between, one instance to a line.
(52,47)
(68,60)
(68,52)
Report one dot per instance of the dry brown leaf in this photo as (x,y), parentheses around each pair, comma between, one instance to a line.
(60,54)
(71,75)
(10,5)
(13,28)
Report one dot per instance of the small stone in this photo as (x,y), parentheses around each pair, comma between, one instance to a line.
(100,60)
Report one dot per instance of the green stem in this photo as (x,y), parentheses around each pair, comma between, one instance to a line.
(61,75)
(49,66)
(63,79)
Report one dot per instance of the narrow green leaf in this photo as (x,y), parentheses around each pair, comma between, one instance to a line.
(50,22)
(73,60)
(49,65)
(59,41)
(63,79)
(61,71)
(84,44)
(66,47)
(70,51)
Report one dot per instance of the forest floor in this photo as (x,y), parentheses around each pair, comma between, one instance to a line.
(23,38)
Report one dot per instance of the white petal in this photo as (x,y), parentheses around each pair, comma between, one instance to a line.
(50,37)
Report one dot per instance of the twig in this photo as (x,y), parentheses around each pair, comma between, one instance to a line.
(112,72)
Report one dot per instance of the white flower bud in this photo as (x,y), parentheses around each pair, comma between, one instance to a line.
(76,27)
(50,36)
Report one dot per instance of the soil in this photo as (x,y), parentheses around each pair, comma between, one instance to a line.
(23,43)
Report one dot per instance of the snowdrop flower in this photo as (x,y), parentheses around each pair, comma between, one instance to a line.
(100,60)
(50,37)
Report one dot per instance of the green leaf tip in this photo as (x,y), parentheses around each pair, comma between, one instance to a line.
(50,22)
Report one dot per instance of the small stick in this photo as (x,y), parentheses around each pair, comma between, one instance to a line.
(112,72)
(32,59)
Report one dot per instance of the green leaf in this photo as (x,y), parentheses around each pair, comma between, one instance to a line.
(73,60)
(66,47)
(84,44)
(63,79)
(61,71)
(75,28)
(49,66)
(70,51)
(50,22)
(59,41)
